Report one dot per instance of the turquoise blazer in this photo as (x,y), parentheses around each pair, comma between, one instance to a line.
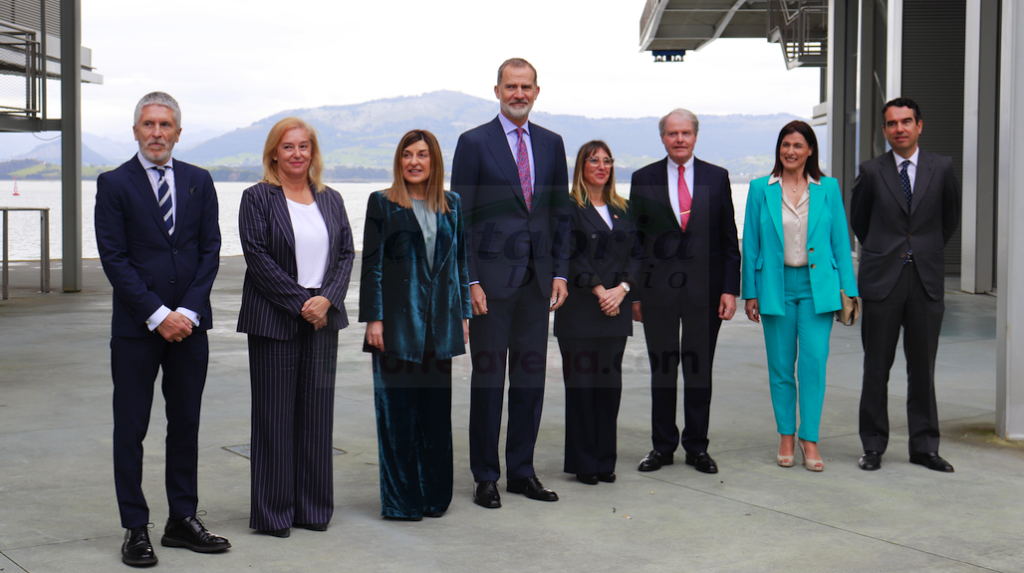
(828,247)
(398,288)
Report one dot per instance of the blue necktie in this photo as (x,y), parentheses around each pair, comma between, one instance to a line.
(905,180)
(163,197)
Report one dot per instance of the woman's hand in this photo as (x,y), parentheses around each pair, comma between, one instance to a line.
(611,299)
(465,330)
(752,310)
(375,334)
(315,311)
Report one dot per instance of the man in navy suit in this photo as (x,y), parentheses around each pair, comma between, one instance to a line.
(159,241)
(513,180)
(690,276)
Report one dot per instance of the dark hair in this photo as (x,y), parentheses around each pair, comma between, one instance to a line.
(811,168)
(516,63)
(903,102)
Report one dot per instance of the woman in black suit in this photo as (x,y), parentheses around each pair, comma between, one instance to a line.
(298,253)
(414,299)
(595,320)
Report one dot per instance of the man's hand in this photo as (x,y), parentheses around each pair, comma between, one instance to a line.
(315,311)
(375,334)
(479,299)
(638,315)
(175,328)
(727,306)
(559,292)
(752,309)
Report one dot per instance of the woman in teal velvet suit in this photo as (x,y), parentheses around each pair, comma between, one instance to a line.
(414,299)
(796,258)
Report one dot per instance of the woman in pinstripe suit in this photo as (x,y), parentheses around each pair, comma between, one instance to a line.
(298,252)
(414,299)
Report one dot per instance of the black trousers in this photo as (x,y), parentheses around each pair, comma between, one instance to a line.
(694,352)
(514,332)
(907,306)
(134,364)
(592,369)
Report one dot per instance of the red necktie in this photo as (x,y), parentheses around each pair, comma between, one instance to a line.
(684,199)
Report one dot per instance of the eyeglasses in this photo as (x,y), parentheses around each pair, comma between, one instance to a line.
(608,161)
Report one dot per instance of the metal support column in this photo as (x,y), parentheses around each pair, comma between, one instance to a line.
(842,92)
(71,141)
(1010,306)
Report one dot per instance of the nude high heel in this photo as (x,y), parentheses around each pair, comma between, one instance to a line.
(814,465)
(785,461)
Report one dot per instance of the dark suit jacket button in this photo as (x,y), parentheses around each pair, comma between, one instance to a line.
(812,266)
(910,236)
(811,250)
(593,235)
(172,280)
(175,251)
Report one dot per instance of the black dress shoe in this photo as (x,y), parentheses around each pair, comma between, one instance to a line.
(702,462)
(589,479)
(433,513)
(531,488)
(312,526)
(189,532)
(486,495)
(137,550)
(932,461)
(870,461)
(606,477)
(404,518)
(282,533)
(654,460)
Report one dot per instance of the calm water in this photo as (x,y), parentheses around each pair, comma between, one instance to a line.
(24,227)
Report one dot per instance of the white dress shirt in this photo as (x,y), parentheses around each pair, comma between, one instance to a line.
(154,179)
(911,169)
(513,144)
(673,185)
(605,214)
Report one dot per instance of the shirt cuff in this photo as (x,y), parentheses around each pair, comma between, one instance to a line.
(157,317)
(561,279)
(471,283)
(189,315)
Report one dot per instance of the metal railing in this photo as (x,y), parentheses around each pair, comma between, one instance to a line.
(800,27)
(44,249)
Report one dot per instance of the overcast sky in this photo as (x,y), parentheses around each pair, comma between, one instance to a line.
(230,63)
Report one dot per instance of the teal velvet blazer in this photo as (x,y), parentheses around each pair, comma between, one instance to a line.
(399,289)
(828,247)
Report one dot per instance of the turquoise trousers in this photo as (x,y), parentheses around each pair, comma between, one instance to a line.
(797,339)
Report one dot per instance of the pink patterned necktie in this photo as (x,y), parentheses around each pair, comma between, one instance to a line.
(523,161)
(684,199)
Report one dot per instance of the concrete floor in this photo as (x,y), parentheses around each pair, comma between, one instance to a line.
(58,511)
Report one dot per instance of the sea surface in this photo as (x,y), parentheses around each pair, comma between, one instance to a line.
(24,229)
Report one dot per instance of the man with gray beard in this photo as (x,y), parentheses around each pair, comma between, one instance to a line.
(512,177)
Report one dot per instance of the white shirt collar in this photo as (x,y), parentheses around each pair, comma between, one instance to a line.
(775,179)
(913,158)
(675,166)
(509,127)
(147,164)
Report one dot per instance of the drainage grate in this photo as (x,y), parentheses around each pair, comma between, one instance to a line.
(244,451)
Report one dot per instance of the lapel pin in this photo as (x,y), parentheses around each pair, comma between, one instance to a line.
(615,216)
(191,190)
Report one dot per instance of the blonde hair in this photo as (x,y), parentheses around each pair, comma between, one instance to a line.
(398,192)
(316,164)
(579,187)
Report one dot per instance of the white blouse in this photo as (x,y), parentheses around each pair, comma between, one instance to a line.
(312,243)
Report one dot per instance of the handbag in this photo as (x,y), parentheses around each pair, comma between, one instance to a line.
(847,315)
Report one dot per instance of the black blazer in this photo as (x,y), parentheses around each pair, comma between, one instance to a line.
(146,266)
(599,256)
(399,289)
(271,298)
(706,258)
(501,234)
(887,229)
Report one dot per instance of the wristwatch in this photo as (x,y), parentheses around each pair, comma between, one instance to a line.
(625,286)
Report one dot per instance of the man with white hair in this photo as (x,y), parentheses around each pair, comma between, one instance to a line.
(159,242)
(690,276)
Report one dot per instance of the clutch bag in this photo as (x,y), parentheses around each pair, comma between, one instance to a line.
(848,314)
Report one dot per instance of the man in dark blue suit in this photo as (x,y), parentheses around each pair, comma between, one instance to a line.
(159,241)
(690,277)
(513,180)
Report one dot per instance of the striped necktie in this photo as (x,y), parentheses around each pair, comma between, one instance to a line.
(163,198)
(523,162)
(909,194)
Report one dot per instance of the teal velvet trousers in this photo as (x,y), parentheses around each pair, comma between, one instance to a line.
(414,433)
(799,338)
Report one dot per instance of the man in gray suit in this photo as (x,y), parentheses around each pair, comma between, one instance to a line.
(905,208)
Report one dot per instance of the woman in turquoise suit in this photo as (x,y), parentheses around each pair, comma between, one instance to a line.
(796,258)
(414,299)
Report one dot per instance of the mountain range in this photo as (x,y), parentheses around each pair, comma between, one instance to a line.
(365,135)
